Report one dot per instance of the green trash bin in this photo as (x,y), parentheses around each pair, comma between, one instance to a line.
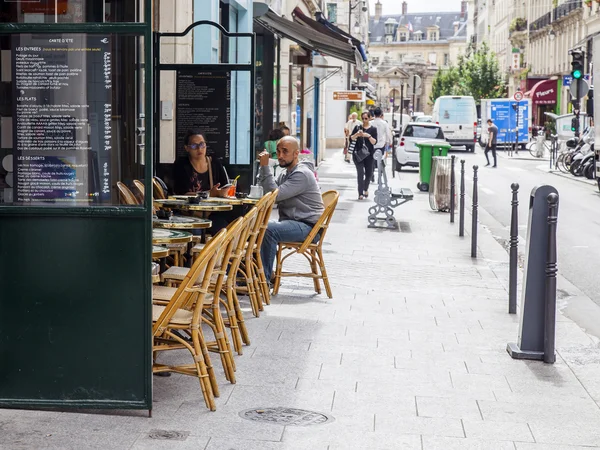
(427,150)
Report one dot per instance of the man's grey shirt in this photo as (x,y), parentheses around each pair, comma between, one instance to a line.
(299,197)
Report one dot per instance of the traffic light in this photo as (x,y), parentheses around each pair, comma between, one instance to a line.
(577,64)
(575,124)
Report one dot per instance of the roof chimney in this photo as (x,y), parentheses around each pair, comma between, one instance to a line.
(378,10)
(463,9)
(404,8)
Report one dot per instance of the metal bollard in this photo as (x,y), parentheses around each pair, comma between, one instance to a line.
(461,212)
(452,191)
(551,270)
(514,250)
(474,224)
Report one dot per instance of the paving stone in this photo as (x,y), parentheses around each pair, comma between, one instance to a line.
(445,443)
(499,431)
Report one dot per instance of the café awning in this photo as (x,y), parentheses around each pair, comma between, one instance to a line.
(309,38)
(543,92)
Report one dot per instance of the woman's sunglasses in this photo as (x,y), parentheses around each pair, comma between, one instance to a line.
(196,146)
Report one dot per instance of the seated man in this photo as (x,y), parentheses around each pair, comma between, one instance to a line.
(299,199)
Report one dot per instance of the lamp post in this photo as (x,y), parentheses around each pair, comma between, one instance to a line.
(350,9)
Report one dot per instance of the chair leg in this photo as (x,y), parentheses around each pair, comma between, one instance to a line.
(202,370)
(233,323)
(315,271)
(240,317)
(324,274)
(247,274)
(209,367)
(262,278)
(277,271)
(222,344)
(257,287)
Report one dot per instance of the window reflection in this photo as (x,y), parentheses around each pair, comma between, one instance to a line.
(71,11)
(67,123)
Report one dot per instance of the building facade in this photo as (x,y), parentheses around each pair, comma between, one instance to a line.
(412,44)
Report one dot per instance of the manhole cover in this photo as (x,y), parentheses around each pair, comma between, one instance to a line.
(168,435)
(286,416)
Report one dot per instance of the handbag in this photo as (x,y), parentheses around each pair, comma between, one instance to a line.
(362,154)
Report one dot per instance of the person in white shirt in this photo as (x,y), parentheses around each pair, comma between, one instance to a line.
(350,125)
(384,132)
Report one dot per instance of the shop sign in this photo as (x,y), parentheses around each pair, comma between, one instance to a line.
(349,96)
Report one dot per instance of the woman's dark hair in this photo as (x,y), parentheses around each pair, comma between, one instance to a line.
(367,113)
(190,133)
(275,135)
(284,128)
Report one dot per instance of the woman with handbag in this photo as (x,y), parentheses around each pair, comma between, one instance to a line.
(362,141)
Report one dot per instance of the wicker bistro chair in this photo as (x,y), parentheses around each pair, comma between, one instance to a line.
(158,189)
(211,308)
(183,313)
(248,278)
(139,187)
(310,250)
(228,296)
(125,195)
(263,287)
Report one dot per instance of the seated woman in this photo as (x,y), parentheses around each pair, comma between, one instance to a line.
(198,172)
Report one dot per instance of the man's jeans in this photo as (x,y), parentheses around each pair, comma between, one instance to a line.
(284,231)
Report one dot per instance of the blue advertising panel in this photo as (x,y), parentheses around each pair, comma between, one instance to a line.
(504,116)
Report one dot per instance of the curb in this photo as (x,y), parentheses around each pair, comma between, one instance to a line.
(568,176)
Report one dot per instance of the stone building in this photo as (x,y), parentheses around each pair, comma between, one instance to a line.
(412,43)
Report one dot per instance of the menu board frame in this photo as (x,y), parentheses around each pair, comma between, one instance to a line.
(62,146)
(203,102)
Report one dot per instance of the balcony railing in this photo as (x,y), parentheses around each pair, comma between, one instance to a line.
(542,22)
(564,9)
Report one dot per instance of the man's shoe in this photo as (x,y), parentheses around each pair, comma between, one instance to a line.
(494,166)
(487,164)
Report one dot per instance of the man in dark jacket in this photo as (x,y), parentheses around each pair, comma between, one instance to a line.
(492,139)
(299,199)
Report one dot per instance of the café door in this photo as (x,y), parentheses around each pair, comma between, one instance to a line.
(75,279)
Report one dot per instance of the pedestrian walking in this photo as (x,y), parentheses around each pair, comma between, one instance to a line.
(384,133)
(350,125)
(491,144)
(364,138)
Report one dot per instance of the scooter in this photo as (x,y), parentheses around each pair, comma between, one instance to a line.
(583,152)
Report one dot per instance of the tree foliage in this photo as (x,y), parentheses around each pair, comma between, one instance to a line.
(477,74)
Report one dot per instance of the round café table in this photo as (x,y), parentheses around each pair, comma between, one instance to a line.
(203,206)
(165,236)
(159,251)
(181,223)
(250,201)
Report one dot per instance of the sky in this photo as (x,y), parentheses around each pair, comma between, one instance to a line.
(416,6)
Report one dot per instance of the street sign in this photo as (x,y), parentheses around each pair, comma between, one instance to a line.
(414,91)
(585,88)
(414,81)
(568,79)
(518,96)
(349,96)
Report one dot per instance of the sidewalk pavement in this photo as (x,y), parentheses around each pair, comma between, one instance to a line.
(409,354)
(559,173)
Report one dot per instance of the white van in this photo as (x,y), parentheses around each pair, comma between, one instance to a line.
(458,117)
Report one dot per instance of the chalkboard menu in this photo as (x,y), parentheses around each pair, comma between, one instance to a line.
(204,103)
(62,111)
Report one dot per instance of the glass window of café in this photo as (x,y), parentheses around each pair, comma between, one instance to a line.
(72,106)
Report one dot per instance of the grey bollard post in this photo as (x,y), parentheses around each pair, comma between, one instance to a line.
(514,249)
(533,305)
(551,270)
(452,190)
(461,212)
(474,223)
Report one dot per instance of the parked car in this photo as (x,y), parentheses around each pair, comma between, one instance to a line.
(406,152)
(424,119)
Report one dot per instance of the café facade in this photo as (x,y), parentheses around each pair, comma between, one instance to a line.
(98,94)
